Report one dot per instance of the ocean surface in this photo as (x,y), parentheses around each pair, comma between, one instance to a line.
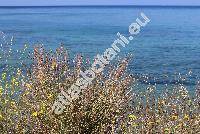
(166,50)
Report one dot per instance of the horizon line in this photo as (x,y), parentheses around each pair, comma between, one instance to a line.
(102,6)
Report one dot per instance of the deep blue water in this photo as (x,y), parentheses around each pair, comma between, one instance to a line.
(168,45)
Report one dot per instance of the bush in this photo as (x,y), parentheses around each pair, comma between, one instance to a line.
(106,106)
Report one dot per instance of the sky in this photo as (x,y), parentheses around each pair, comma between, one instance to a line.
(96,2)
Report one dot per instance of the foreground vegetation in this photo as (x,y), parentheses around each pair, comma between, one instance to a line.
(109,105)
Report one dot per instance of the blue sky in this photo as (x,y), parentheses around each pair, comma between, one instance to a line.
(96,2)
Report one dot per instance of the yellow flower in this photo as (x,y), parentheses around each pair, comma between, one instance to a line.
(17,83)
(42,108)
(41,111)
(6,86)
(53,64)
(1,117)
(158,121)
(13,80)
(6,101)
(174,117)
(179,125)
(12,103)
(132,116)
(166,130)
(19,72)
(134,125)
(150,123)
(113,121)
(15,111)
(189,101)
(186,117)
(28,86)
(49,96)
(3,76)
(35,114)
(43,105)
(26,92)
(1,90)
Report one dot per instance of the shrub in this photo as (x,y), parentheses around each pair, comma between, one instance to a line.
(108,105)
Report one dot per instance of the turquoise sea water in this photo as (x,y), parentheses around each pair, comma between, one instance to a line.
(168,45)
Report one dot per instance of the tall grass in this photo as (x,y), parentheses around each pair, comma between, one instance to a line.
(108,105)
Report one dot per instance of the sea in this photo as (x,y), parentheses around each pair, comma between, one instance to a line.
(165,52)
